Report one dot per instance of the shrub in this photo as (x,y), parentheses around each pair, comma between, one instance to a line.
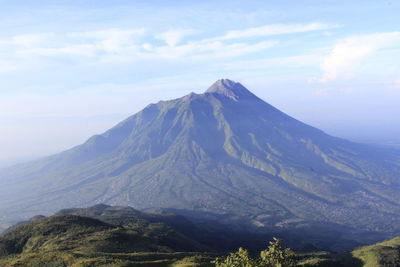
(274,256)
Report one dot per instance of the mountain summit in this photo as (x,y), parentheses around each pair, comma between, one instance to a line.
(229,89)
(225,152)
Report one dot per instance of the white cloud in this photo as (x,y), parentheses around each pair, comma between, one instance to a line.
(101,46)
(121,46)
(76,50)
(275,29)
(173,37)
(26,40)
(215,49)
(286,62)
(89,44)
(10,59)
(116,46)
(345,55)
(111,40)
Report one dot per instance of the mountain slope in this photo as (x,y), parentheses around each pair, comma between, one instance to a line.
(222,152)
(65,240)
(386,253)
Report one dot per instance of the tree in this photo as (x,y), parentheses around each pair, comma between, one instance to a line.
(241,258)
(274,256)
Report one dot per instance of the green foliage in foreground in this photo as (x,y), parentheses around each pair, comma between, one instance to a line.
(274,256)
(383,254)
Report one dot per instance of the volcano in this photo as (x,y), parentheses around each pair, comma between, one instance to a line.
(224,152)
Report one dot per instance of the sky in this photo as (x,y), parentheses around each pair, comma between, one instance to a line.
(71,69)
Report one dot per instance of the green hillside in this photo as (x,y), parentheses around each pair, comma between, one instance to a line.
(65,240)
(382,254)
(386,253)
(77,259)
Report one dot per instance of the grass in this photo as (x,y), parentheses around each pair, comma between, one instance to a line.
(70,240)
(58,259)
(386,253)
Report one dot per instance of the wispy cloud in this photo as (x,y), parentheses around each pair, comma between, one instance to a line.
(348,53)
(206,51)
(174,36)
(286,62)
(10,48)
(124,45)
(117,45)
(275,29)
(111,40)
(89,44)
(25,40)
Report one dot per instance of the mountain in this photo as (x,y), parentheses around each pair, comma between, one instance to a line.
(223,154)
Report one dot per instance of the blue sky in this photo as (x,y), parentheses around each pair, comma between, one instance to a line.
(70,69)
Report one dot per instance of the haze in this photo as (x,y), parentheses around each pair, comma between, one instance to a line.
(71,69)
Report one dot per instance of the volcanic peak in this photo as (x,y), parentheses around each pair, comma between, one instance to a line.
(230,89)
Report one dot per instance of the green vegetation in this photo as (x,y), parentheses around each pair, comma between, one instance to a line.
(62,259)
(385,253)
(121,236)
(71,232)
(274,256)
(325,259)
(71,240)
